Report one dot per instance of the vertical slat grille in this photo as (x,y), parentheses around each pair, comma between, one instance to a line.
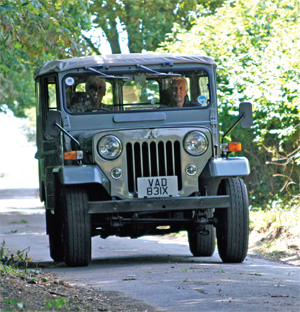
(151,159)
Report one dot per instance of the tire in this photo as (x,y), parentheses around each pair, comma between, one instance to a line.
(203,245)
(233,223)
(76,226)
(55,236)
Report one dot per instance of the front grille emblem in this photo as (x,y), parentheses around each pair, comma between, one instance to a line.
(152,135)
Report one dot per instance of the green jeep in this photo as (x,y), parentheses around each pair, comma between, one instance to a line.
(129,145)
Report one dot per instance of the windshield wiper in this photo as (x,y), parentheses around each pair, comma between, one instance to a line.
(106,76)
(155,72)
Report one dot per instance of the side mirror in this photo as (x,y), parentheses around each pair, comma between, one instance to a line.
(246,110)
(53,118)
(245,118)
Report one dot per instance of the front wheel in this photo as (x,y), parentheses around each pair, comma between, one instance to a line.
(76,226)
(233,223)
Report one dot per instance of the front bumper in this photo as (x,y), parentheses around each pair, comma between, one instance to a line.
(159,204)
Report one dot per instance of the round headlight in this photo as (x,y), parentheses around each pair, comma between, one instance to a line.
(195,143)
(110,147)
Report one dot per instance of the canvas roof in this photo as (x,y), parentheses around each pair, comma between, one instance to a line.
(121,60)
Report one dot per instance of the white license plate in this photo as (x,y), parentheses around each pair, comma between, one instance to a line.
(157,186)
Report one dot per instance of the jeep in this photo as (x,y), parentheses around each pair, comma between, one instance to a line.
(129,145)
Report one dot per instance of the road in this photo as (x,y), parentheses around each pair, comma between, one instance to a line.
(158,271)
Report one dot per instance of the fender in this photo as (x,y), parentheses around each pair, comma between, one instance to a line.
(219,168)
(83,174)
(229,167)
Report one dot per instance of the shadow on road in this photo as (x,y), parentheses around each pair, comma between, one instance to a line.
(120,261)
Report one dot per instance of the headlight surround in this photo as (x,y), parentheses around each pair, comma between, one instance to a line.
(110,147)
(195,143)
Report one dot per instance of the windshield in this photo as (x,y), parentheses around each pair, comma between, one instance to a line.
(92,93)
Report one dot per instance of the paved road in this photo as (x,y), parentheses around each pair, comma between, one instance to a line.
(158,271)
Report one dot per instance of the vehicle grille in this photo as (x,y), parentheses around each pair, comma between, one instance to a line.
(152,159)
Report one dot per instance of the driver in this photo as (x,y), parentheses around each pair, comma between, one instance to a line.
(178,93)
(95,88)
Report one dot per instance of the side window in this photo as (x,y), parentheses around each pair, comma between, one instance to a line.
(51,93)
(199,89)
(47,95)
(188,87)
(204,86)
(37,97)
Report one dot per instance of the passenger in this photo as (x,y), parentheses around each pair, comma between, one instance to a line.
(95,88)
(178,93)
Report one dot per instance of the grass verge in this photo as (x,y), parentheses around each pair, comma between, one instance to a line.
(275,234)
(26,289)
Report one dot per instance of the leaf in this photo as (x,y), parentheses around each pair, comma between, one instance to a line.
(4,7)
(37,4)
(48,304)
(4,68)
(17,45)
(60,302)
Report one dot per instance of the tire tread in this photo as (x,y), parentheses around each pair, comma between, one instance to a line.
(232,234)
(77,227)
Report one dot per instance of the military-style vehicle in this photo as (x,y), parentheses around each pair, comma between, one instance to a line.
(129,145)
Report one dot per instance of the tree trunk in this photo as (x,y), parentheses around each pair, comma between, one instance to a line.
(113,38)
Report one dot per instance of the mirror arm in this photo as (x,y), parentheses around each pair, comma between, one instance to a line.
(233,126)
(67,133)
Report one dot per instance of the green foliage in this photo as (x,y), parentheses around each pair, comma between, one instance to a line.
(11,262)
(13,305)
(36,31)
(33,32)
(277,216)
(22,221)
(256,45)
(58,303)
(145,22)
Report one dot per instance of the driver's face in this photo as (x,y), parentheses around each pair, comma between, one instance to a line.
(98,90)
(178,92)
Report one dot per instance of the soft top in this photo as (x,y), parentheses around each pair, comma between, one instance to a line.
(120,60)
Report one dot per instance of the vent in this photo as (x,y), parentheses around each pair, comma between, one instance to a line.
(153,159)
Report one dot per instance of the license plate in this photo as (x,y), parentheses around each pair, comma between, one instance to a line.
(157,186)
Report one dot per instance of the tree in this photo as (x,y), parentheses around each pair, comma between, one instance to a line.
(33,32)
(256,46)
(145,22)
